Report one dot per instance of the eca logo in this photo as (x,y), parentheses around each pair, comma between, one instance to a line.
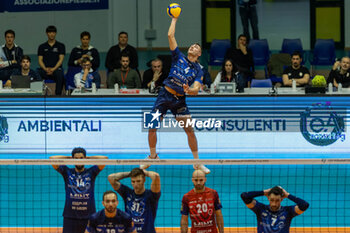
(4,130)
(322,125)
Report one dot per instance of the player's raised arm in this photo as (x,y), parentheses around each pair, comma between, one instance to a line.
(248,197)
(171,34)
(301,204)
(219,220)
(114,179)
(155,185)
(59,157)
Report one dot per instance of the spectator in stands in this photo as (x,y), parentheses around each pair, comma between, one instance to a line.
(247,11)
(296,72)
(85,50)
(25,71)
(115,52)
(340,73)
(125,76)
(155,74)
(86,77)
(227,73)
(242,58)
(51,55)
(11,55)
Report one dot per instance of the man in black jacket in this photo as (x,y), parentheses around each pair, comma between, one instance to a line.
(11,56)
(114,54)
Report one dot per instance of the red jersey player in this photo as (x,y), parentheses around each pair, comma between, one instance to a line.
(204,207)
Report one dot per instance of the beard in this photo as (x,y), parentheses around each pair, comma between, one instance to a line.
(79,167)
(199,187)
(111,209)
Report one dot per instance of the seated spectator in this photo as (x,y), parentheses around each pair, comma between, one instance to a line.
(11,55)
(85,50)
(155,74)
(25,71)
(50,56)
(86,77)
(124,76)
(115,52)
(340,73)
(296,72)
(227,73)
(242,58)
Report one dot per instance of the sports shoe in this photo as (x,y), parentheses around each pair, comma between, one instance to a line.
(201,167)
(145,166)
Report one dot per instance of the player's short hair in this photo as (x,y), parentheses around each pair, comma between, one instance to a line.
(242,35)
(51,28)
(10,31)
(137,172)
(276,190)
(122,32)
(296,53)
(85,33)
(198,45)
(156,59)
(109,192)
(26,57)
(77,150)
(125,54)
(85,59)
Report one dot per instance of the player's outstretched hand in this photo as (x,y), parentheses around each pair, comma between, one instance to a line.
(186,88)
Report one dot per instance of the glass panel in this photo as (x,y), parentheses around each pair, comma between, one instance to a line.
(218,24)
(328,25)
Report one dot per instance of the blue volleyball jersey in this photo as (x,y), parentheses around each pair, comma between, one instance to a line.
(79,186)
(120,223)
(142,208)
(182,71)
(274,222)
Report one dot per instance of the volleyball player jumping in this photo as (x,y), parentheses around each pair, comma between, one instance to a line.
(184,72)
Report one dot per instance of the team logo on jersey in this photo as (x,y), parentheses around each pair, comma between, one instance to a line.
(4,130)
(321,125)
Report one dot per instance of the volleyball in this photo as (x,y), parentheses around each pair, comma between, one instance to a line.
(174,10)
(319,81)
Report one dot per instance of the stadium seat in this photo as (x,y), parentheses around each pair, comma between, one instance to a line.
(69,77)
(324,53)
(261,83)
(217,51)
(261,51)
(292,45)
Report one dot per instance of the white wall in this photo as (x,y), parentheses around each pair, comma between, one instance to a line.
(104,25)
(277,20)
(282,19)
(30,27)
